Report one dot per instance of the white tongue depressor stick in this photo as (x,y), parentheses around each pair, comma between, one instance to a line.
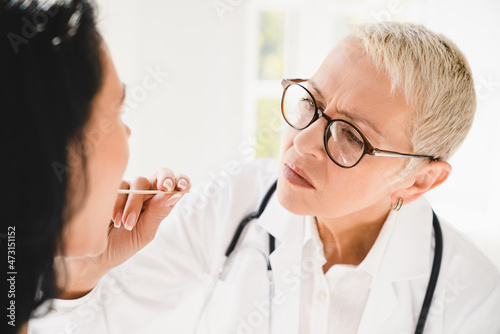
(150,192)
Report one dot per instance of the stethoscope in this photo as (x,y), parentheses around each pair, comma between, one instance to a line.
(436,264)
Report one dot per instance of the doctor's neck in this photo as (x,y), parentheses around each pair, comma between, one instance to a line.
(348,239)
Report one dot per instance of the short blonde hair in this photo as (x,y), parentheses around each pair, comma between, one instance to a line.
(434,77)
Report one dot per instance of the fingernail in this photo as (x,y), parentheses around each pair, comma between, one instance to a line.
(118,219)
(168,184)
(129,224)
(182,184)
(172,200)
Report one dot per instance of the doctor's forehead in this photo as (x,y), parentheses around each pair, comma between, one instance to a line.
(349,84)
(348,64)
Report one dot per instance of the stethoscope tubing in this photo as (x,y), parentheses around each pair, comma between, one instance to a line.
(436,265)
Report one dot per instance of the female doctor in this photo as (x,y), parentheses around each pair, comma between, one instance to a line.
(346,243)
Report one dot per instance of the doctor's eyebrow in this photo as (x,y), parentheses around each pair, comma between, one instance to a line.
(358,120)
(345,113)
(315,88)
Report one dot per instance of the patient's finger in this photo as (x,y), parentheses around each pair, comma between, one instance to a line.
(134,204)
(121,199)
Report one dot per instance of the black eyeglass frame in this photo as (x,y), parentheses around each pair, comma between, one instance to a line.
(368,148)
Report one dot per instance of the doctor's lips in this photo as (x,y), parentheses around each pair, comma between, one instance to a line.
(296,176)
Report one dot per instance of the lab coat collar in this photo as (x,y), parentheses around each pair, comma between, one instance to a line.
(278,221)
(311,236)
(311,232)
(407,257)
(402,237)
(408,254)
(371,262)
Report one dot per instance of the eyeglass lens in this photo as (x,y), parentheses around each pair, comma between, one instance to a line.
(343,142)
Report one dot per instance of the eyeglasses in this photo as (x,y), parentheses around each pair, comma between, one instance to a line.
(344,143)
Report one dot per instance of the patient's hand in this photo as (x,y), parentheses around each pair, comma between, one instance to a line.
(136,218)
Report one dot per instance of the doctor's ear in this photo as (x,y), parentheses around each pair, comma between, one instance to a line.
(423,179)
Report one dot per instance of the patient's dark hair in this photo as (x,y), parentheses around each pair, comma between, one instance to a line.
(50,72)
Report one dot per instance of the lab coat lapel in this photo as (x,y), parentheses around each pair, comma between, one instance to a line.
(381,303)
(406,257)
(288,229)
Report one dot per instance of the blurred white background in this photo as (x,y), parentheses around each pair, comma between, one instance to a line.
(203,80)
(204,76)
(215,89)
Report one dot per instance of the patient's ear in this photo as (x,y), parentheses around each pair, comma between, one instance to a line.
(424,179)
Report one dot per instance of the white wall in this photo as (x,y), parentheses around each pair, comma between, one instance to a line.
(470,199)
(192,121)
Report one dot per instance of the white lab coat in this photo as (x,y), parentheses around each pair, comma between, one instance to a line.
(188,250)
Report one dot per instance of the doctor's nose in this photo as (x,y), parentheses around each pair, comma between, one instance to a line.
(309,141)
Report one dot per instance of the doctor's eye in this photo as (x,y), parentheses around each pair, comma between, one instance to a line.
(352,138)
(308,101)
